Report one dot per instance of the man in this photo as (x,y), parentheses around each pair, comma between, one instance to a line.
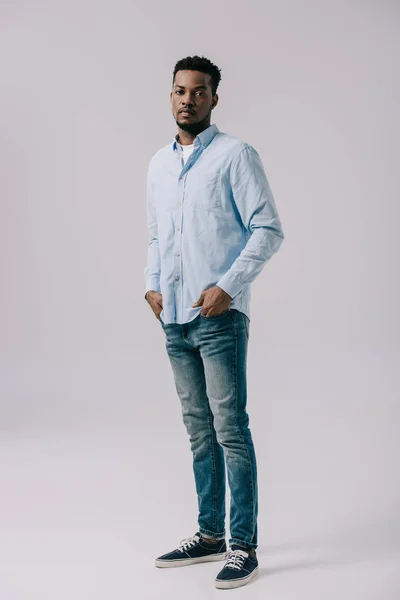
(212,225)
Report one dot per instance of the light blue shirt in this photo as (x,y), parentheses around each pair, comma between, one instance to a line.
(211,221)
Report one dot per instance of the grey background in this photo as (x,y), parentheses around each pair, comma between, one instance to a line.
(95,479)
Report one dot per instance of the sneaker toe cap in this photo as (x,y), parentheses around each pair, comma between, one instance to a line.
(229,575)
(174,555)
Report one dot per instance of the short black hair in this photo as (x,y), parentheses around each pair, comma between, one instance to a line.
(200,63)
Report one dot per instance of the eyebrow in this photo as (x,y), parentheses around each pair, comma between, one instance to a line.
(196,86)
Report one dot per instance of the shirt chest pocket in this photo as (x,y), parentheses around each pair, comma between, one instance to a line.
(204,191)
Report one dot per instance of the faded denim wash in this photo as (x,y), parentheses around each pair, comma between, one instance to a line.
(208,357)
(211,220)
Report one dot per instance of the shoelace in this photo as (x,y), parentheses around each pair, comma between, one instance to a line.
(187,543)
(236,559)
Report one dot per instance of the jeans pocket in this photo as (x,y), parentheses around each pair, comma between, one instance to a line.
(216,316)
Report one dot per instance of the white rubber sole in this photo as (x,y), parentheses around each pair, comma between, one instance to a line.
(225,585)
(190,561)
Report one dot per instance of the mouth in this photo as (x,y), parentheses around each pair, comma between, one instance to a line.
(186,113)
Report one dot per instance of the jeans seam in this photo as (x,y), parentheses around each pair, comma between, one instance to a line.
(246,325)
(238,428)
(213,469)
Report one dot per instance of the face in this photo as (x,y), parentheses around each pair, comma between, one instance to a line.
(192,91)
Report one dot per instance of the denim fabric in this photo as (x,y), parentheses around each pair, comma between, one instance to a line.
(211,221)
(208,357)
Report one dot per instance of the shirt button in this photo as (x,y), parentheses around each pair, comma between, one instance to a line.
(177,253)
(179,203)
(178,228)
(176,277)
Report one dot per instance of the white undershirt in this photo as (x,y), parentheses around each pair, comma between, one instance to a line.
(186,151)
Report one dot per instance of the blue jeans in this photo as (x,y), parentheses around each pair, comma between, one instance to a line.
(208,358)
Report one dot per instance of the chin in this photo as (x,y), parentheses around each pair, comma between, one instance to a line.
(189,126)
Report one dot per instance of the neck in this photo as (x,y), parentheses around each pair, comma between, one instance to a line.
(185,138)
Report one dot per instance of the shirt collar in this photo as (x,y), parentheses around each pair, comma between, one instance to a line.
(203,139)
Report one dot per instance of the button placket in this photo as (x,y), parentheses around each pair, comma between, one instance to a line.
(178,243)
(179,222)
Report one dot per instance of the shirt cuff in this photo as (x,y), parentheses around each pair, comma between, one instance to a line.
(230,284)
(152,283)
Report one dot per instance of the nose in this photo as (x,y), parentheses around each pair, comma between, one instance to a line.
(186,101)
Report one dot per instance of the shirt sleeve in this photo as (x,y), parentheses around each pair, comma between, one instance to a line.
(256,205)
(152,268)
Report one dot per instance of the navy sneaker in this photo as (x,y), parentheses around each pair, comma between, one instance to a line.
(192,550)
(240,568)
